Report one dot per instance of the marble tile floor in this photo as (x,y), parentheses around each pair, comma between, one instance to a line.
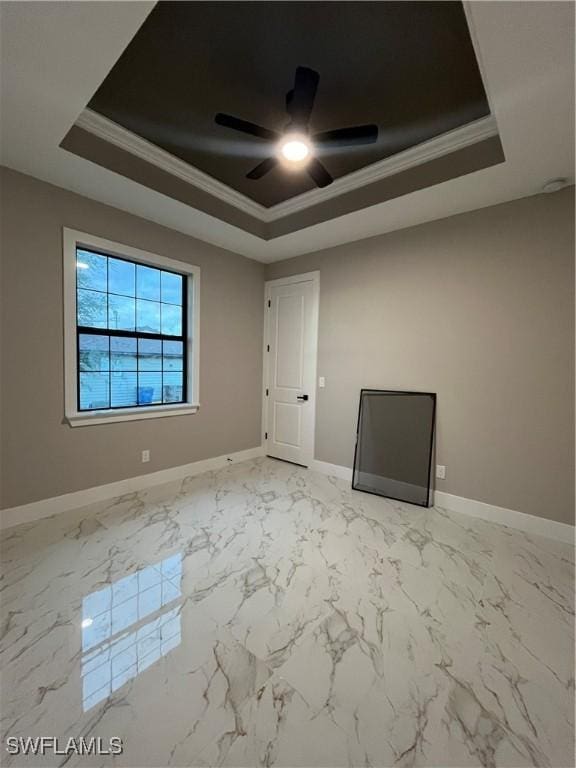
(268,615)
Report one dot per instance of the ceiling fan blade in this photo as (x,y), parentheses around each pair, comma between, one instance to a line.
(318,173)
(347,137)
(229,121)
(300,99)
(262,168)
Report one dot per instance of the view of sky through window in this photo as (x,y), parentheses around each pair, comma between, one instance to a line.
(141,360)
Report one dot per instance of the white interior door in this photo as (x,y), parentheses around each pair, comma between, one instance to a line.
(290,367)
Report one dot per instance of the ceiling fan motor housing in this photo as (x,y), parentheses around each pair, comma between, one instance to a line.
(299,104)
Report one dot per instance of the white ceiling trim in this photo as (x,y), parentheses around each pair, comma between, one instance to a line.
(115,134)
(55,55)
(449,142)
(446,143)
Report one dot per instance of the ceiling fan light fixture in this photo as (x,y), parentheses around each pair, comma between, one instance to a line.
(295,149)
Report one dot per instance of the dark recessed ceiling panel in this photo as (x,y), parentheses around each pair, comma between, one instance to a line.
(409,67)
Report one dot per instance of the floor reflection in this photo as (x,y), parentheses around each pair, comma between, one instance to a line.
(116,642)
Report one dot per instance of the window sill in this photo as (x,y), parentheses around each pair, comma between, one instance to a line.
(130,414)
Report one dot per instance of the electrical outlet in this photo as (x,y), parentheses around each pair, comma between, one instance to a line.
(440,471)
(145,456)
(321,382)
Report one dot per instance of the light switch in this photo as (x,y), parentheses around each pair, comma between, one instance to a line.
(321,382)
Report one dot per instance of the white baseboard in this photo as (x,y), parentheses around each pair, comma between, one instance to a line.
(519,520)
(334,470)
(540,526)
(27,513)
(37,510)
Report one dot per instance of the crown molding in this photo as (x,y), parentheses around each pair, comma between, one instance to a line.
(459,138)
(109,131)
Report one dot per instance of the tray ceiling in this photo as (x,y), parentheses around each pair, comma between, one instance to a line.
(409,67)
(55,57)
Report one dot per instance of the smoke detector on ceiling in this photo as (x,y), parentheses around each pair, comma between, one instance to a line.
(554,185)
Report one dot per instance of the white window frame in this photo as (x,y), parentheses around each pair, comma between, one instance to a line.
(72,239)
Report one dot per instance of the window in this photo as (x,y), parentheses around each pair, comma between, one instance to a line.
(130,333)
(131,330)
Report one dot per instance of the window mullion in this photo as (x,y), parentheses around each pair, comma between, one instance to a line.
(109,373)
(120,332)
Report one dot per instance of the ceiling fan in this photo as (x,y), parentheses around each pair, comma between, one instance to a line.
(295,147)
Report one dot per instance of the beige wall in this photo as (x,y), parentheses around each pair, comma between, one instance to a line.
(480,309)
(42,456)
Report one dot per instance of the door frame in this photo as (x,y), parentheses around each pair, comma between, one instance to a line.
(306,277)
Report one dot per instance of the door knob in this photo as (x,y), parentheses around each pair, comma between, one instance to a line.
(302,397)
